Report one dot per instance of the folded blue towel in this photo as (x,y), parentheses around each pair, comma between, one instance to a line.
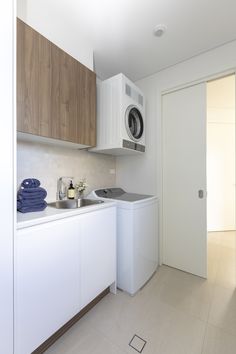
(30,183)
(31,193)
(28,209)
(29,202)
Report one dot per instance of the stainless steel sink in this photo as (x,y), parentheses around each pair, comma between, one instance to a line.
(74,203)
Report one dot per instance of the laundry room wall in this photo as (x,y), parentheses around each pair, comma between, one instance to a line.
(142,173)
(44,17)
(49,162)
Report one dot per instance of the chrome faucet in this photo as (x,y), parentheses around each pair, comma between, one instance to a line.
(62,188)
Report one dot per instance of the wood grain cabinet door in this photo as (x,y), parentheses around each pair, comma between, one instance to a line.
(64,95)
(33,82)
(86,105)
(27,79)
(56,95)
(44,87)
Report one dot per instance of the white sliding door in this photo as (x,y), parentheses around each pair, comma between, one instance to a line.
(184,179)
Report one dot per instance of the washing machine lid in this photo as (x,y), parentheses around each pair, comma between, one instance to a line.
(120,194)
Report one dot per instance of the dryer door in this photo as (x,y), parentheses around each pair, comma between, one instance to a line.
(134,123)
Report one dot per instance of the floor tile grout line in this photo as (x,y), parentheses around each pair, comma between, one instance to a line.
(222,330)
(214,287)
(212,299)
(184,311)
(204,337)
(108,338)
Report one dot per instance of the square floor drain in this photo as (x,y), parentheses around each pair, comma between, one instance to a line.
(137,343)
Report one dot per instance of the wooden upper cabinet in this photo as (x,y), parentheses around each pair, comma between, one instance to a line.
(27,79)
(86,105)
(64,96)
(56,95)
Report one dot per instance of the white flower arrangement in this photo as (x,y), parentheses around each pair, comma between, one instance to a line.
(81,186)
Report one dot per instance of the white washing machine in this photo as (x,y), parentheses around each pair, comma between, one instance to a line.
(120,117)
(137,236)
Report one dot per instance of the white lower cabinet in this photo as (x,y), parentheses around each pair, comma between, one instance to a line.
(60,266)
(98,254)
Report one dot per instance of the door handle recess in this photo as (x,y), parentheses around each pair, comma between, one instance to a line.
(200,193)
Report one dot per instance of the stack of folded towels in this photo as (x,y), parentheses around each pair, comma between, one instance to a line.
(30,196)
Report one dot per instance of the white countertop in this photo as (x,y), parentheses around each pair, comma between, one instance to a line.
(51,214)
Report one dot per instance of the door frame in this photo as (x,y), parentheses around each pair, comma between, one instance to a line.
(205,79)
(8,160)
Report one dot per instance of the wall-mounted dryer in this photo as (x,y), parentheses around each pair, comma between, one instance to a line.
(120,117)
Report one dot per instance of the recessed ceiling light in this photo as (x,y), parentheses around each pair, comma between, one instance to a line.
(159,30)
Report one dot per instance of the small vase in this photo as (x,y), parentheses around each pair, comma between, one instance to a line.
(80,195)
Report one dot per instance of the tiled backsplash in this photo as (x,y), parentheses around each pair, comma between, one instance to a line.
(47,163)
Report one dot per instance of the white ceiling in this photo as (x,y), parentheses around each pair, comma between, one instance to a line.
(120,31)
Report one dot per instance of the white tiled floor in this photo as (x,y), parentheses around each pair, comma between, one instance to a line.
(176,312)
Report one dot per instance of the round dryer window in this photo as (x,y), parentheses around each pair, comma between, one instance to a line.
(134,123)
